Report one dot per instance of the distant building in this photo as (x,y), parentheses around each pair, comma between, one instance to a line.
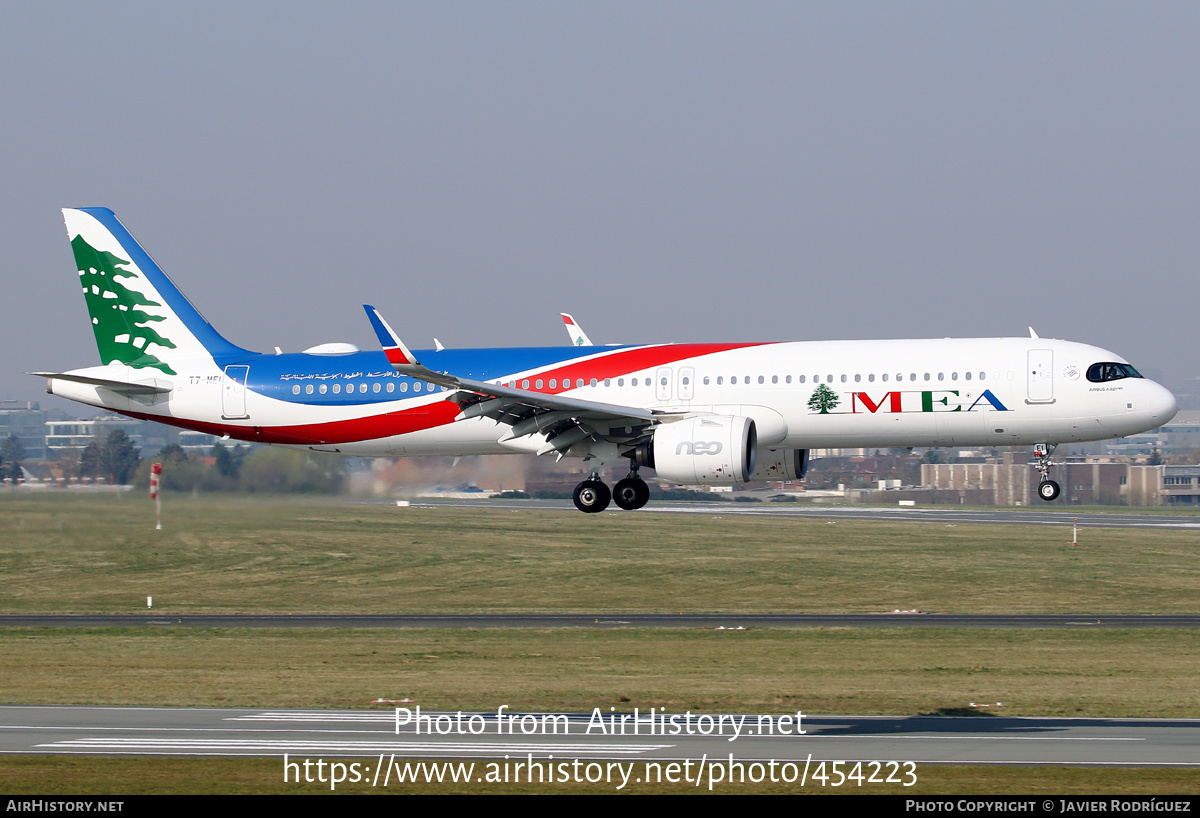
(27,420)
(1182,434)
(77,434)
(199,443)
(1087,481)
(1180,485)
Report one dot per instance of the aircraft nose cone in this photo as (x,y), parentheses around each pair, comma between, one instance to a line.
(1163,404)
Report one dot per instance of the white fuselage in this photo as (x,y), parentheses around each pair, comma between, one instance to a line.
(904,393)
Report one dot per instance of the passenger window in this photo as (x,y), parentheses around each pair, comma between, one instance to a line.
(761,379)
(403,386)
(858,378)
(323,389)
(391,387)
(554,383)
(308,390)
(538,383)
(296,389)
(720,380)
(375,387)
(337,389)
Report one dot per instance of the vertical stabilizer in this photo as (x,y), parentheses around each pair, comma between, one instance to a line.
(139,317)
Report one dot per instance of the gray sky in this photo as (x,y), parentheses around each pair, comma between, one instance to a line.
(663,171)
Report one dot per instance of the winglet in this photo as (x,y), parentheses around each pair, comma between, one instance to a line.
(1032,334)
(395,350)
(578,336)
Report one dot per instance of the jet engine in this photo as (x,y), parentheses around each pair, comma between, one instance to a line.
(717,450)
(780,464)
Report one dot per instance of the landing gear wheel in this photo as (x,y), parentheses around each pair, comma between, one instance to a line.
(1048,490)
(591,496)
(631,493)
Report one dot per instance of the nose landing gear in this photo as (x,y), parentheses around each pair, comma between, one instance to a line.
(1047,489)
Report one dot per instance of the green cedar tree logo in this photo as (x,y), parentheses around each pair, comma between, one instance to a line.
(113,308)
(823,399)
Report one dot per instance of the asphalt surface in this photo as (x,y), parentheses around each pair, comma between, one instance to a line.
(930,514)
(371,734)
(606,620)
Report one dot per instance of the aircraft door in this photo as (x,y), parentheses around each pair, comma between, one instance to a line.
(687,381)
(233,392)
(1041,375)
(662,383)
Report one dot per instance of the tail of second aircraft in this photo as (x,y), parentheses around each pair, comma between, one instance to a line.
(139,317)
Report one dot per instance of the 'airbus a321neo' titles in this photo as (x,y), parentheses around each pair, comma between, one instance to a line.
(698,414)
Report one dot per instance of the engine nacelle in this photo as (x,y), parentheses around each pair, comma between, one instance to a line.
(780,464)
(715,450)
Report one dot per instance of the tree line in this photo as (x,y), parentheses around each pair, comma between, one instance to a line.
(265,470)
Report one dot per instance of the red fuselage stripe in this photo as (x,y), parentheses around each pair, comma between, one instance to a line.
(439,413)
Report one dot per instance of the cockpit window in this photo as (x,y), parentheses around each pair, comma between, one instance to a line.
(1100,373)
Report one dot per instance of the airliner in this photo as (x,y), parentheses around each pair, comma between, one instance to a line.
(714,414)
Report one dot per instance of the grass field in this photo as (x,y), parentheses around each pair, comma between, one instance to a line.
(70,553)
(902,671)
(61,554)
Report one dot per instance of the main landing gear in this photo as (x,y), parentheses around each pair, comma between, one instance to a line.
(1047,489)
(592,496)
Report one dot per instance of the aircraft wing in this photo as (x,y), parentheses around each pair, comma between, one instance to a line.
(564,421)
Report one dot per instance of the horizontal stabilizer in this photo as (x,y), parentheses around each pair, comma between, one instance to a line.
(152,386)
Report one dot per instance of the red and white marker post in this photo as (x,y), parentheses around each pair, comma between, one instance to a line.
(155,473)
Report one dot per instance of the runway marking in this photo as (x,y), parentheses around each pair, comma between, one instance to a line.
(370,716)
(365,748)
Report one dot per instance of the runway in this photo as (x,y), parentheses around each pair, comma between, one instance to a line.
(929,514)
(599,620)
(371,734)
